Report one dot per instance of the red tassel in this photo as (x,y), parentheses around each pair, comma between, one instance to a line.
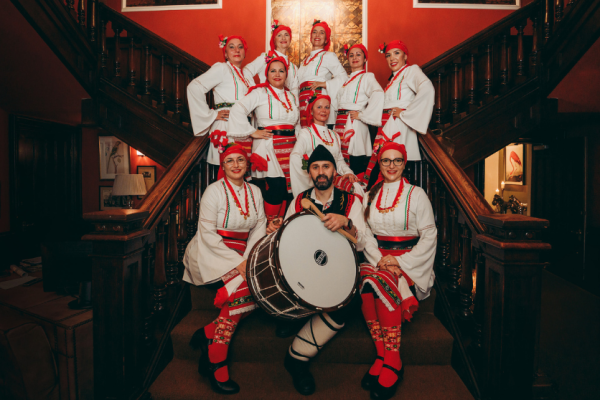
(258,163)
(221,297)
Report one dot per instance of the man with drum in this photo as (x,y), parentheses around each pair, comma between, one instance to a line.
(341,210)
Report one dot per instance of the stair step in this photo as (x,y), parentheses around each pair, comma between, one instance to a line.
(180,380)
(424,340)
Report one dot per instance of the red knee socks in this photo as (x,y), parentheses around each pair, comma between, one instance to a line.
(221,330)
(391,327)
(370,314)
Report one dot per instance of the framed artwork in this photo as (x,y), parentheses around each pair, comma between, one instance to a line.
(166,5)
(473,4)
(149,173)
(514,166)
(114,157)
(108,202)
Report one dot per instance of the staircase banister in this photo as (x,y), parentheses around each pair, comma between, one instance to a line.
(156,41)
(162,194)
(468,199)
(480,38)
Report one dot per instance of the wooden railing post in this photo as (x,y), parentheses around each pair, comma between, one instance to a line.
(119,305)
(535,46)
(548,16)
(520,78)
(117,77)
(472,81)
(513,277)
(487,86)
(131,64)
(504,63)
(437,115)
(147,82)
(162,104)
(466,274)
(81,13)
(172,255)
(456,88)
(92,20)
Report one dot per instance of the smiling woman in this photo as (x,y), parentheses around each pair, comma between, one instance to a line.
(161,5)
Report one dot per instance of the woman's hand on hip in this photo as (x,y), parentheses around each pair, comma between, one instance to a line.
(262,134)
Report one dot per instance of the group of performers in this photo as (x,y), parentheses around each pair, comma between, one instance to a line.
(303,133)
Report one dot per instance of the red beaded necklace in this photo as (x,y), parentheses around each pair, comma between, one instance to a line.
(287,107)
(354,77)
(243,213)
(396,199)
(320,137)
(240,75)
(395,77)
(313,58)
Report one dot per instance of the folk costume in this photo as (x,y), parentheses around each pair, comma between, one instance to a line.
(309,139)
(275,110)
(360,92)
(400,223)
(257,67)
(231,221)
(229,84)
(320,66)
(411,90)
(321,328)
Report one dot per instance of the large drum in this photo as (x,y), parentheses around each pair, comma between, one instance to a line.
(302,269)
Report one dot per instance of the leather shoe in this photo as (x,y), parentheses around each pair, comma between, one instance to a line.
(380,392)
(206,368)
(304,383)
(368,381)
(228,387)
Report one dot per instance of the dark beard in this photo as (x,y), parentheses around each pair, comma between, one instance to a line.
(323,185)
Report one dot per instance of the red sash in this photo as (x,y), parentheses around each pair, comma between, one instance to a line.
(234,240)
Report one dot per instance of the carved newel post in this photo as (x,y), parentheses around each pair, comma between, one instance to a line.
(119,303)
(513,249)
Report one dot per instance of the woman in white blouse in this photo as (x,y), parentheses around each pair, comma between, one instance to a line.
(320,72)
(231,221)
(408,105)
(309,138)
(360,103)
(229,83)
(281,39)
(277,113)
(400,243)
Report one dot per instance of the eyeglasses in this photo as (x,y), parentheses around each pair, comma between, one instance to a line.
(397,162)
(240,161)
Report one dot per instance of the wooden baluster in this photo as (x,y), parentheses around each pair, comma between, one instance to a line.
(71,5)
(504,63)
(81,13)
(520,53)
(162,93)
(192,216)
(443,231)
(479,306)
(456,89)
(535,46)
(182,233)
(558,14)
(472,82)
(548,18)
(466,276)
(172,256)
(103,52)
(147,67)
(487,87)
(148,260)
(178,101)
(438,97)
(131,84)
(452,269)
(455,241)
(117,77)
(92,19)
(160,277)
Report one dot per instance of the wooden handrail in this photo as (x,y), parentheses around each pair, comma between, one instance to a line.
(158,200)
(465,194)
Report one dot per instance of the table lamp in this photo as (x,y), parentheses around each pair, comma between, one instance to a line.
(129,185)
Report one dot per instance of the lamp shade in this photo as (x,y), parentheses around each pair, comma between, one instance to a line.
(129,185)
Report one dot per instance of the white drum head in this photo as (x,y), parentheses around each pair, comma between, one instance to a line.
(318,264)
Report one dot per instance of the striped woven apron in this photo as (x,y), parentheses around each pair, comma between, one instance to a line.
(340,126)
(284,139)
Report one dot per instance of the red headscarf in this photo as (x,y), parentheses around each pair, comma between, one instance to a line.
(224,41)
(231,148)
(327,33)
(395,44)
(310,119)
(270,59)
(356,46)
(276,29)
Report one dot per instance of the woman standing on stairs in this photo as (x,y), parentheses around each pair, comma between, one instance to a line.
(360,102)
(231,221)
(321,71)
(409,99)
(277,113)
(229,83)
(281,39)
(400,243)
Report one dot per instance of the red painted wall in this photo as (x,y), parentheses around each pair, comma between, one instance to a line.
(4,175)
(90,169)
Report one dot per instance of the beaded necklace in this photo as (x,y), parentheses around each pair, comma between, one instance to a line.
(320,137)
(395,77)
(396,199)
(243,213)
(305,62)
(287,107)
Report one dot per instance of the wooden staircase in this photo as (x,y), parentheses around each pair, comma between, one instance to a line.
(490,91)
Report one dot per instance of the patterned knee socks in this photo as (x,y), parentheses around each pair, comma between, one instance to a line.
(370,314)
(391,329)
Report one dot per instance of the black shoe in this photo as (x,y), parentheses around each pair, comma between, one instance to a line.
(228,387)
(379,392)
(286,328)
(206,368)
(304,383)
(369,381)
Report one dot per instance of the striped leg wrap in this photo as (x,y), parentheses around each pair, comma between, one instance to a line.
(313,336)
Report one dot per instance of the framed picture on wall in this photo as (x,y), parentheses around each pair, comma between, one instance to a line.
(108,201)
(149,173)
(166,5)
(114,157)
(514,165)
(472,4)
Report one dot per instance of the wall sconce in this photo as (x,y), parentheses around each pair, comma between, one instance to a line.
(140,154)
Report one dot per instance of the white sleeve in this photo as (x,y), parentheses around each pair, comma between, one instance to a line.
(201,115)
(256,67)
(294,84)
(371,115)
(418,114)
(358,220)
(342,167)
(298,177)
(371,249)
(418,263)
(239,126)
(339,77)
(260,230)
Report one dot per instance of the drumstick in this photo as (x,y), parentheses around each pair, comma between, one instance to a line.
(308,205)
